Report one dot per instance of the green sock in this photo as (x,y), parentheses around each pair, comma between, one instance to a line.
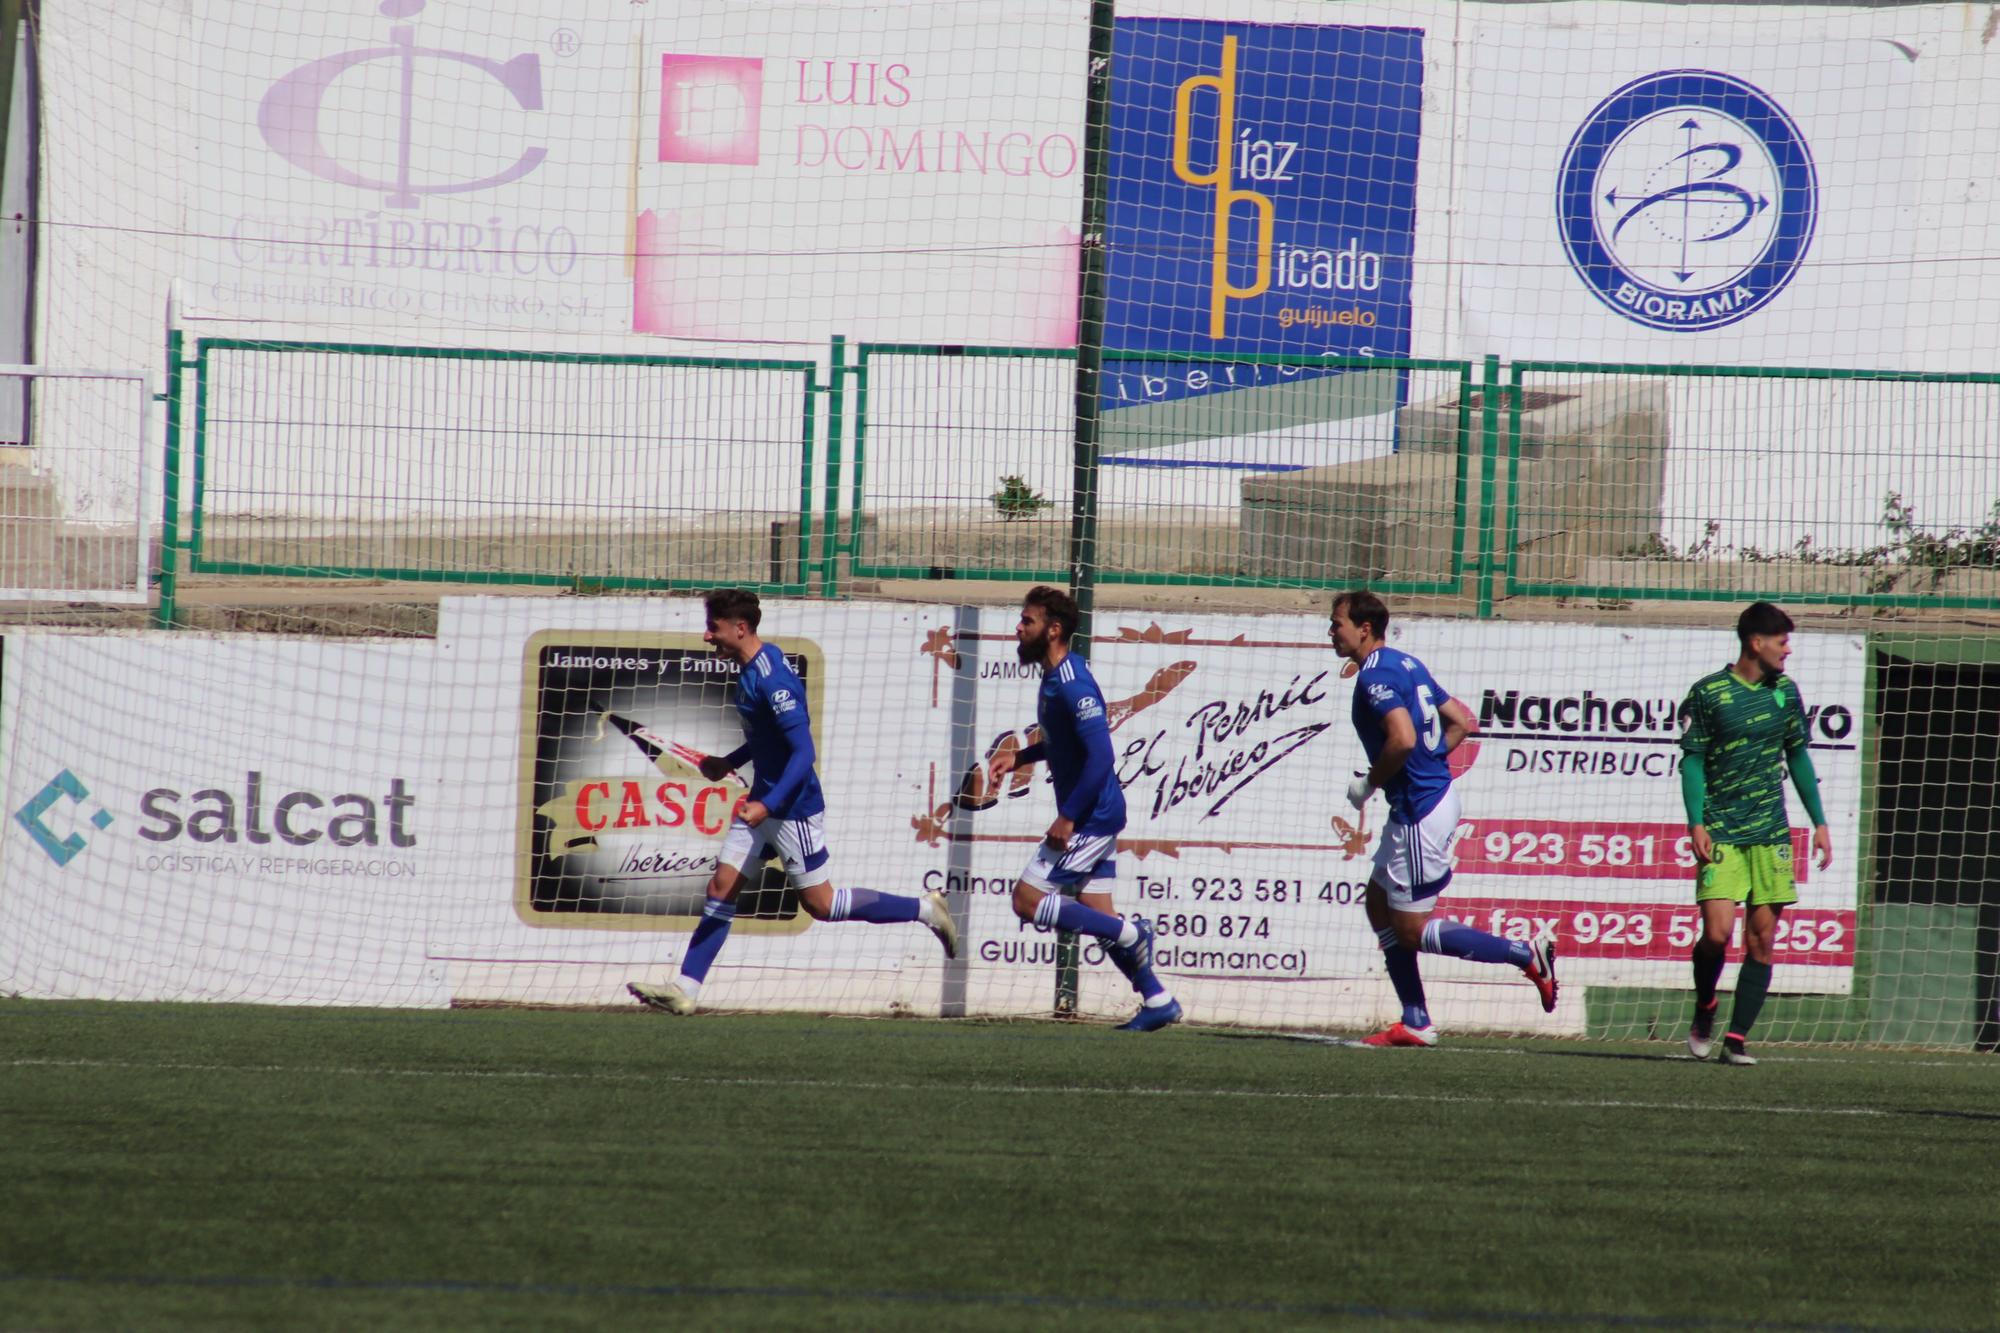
(1753,979)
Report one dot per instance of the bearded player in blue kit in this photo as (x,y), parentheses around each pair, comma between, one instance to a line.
(1076,853)
(1408,723)
(783,814)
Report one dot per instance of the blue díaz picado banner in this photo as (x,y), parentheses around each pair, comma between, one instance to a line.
(1262,199)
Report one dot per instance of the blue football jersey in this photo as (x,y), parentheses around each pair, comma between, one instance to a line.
(1076,741)
(771,700)
(1391,680)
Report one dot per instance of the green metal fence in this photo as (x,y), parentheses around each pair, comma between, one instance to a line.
(937,429)
(489,466)
(1733,483)
(963,464)
(1552,480)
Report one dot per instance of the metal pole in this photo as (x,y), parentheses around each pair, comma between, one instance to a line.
(964,754)
(1089,367)
(1489,447)
(836,414)
(170,485)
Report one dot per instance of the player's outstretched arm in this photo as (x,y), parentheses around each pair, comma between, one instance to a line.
(716,767)
(1021,758)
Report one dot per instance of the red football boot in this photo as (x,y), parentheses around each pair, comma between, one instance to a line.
(1398,1035)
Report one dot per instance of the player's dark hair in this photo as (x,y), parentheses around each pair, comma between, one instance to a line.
(1364,608)
(1761,618)
(1058,606)
(734,604)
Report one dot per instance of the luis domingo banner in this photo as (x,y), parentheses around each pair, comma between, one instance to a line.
(1262,198)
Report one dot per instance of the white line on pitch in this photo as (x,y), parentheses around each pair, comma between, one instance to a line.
(1764,1055)
(995,1089)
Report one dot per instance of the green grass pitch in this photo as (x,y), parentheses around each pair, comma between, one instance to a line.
(167,1166)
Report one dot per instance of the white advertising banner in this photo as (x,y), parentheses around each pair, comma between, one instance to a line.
(1715,192)
(1766,185)
(911,173)
(1233,742)
(432,166)
(1743,186)
(516,811)
(529,169)
(218,819)
(586,834)
(1573,812)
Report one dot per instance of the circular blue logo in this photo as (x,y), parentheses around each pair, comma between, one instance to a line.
(1687,200)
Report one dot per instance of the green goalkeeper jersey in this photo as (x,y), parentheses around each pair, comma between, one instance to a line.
(1743,733)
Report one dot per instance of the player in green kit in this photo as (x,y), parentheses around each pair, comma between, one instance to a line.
(1746,726)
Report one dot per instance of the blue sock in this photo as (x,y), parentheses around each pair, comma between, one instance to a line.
(867,905)
(709,933)
(1069,914)
(1403,975)
(1142,979)
(1460,941)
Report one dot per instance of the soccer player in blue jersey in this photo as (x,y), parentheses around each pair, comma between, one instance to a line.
(783,813)
(1075,855)
(1408,723)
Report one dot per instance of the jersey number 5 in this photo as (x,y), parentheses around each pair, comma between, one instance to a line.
(1433,724)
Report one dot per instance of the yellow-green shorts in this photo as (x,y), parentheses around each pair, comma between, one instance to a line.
(1758,875)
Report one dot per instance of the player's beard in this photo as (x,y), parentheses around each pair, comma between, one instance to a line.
(1035,651)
